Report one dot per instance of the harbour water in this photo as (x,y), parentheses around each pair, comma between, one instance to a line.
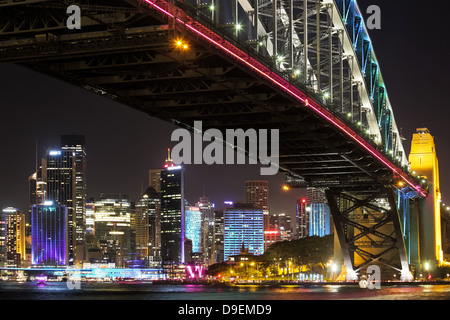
(148,291)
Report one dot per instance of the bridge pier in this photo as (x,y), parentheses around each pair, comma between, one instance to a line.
(369,231)
(425,213)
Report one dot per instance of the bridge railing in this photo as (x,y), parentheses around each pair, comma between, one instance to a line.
(191,14)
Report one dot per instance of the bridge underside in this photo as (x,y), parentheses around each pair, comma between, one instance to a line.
(128,53)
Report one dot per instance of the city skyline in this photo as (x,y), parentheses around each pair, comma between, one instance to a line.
(87,119)
(36,108)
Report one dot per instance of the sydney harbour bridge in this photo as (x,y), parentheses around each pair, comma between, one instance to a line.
(305,67)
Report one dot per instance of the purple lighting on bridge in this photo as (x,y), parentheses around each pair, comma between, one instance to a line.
(280,82)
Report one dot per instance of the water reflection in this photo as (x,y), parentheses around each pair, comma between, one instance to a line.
(58,290)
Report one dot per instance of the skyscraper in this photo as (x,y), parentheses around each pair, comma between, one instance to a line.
(172,212)
(218,236)
(60,175)
(154,179)
(243,226)
(256,192)
(148,226)
(207,229)
(62,180)
(77,145)
(113,227)
(49,236)
(12,238)
(319,219)
(194,227)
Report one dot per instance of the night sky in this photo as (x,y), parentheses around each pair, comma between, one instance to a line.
(122,143)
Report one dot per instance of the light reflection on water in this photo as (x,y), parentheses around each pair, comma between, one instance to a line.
(60,291)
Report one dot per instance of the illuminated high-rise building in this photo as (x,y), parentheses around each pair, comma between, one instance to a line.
(243,226)
(60,184)
(256,192)
(193,223)
(148,226)
(172,213)
(49,235)
(313,219)
(90,225)
(113,228)
(12,238)
(154,179)
(281,223)
(77,145)
(37,187)
(319,219)
(62,180)
(218,235)
(207,229)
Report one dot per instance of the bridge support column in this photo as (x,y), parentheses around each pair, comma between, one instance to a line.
(368,227)
(424,163)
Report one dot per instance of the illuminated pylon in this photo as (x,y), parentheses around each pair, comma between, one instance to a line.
(426,216)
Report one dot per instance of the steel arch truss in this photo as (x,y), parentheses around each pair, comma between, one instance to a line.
(369,230)
(325,46)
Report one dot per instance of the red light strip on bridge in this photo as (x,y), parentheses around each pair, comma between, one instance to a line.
(284,85)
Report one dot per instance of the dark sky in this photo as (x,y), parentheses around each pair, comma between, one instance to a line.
(122,143)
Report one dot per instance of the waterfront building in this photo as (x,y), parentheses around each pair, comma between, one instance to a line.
(256,192)
(243,226)
(49,235)
(113,228)
(148,226)
(76,146)
(12,238)
(172,213)
(282,223)
(194,227)
(61,179)
(219,226)
(207,229)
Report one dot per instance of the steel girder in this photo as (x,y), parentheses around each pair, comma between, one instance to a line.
(369,230)
(324,45)
(126,53)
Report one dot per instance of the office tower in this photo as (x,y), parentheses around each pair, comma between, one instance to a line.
(90,225)
(319,219)
(313,219)
(207,229)
(172,213)
(315,195)
(49,235)
(282,223)
(301,226)
(12,238)
(148,226)
(243,226)
(113,227)
(193,223)
(256,192)
(219,226)
(77,145)
(90,217)
(37,187)
(60,182)
(154,179)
